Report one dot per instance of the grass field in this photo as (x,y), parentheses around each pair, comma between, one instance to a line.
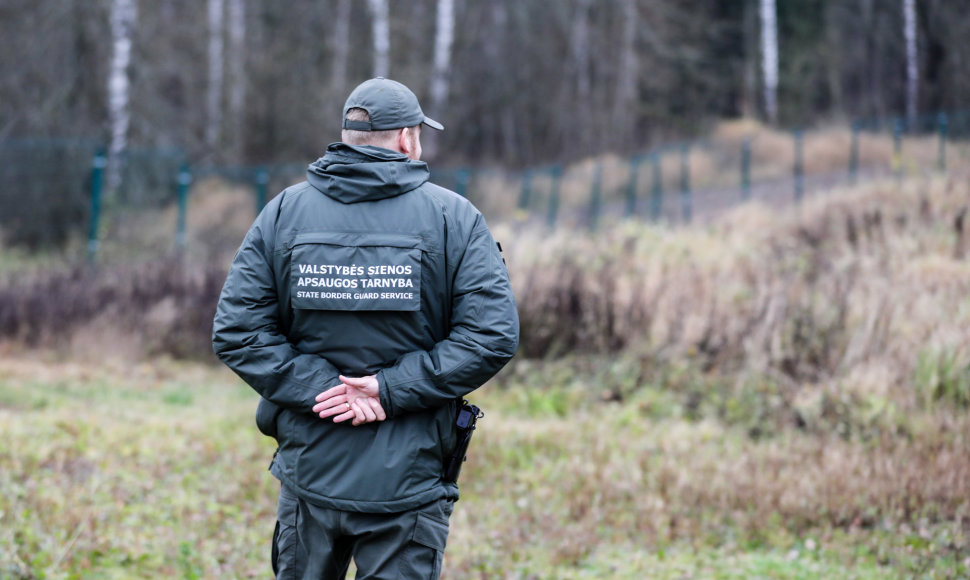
(156,471)
(773,395)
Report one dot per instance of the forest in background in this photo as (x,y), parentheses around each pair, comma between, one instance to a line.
(516,83)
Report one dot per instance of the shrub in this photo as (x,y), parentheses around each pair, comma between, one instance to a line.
(164,306)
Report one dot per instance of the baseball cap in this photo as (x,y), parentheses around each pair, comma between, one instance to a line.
(390,105)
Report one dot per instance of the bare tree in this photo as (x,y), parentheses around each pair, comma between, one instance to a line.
(581,70)
(341,47)
(237,71)
(530,82)
(382,37)
(581,51)
(123,16)
(769,57)
(912,64)
(214,93)
(498,32)
(441,69)
(625,99)
(444,36)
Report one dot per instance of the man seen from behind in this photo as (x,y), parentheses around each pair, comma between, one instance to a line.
(362,305)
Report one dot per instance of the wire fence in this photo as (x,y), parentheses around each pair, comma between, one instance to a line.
(680,183)
(54,191)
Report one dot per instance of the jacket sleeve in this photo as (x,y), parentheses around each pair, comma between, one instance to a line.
(246,333)
(483,338)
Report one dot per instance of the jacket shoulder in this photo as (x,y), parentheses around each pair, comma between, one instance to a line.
(272,208)
(295,192)
(262,233)
(452,204)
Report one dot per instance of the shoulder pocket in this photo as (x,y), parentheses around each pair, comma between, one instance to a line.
(356,271)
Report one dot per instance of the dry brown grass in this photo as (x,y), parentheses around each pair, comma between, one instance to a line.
(628,479)
(142,297)
(861,292)
(218,215)
(134,311)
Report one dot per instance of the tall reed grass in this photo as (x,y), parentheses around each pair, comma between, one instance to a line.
(857,296)
(861,290)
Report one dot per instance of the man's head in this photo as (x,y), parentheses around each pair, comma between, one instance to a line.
(385,113)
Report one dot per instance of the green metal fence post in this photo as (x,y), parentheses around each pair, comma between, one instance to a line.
(526,194)
(595,195)
(746,169)
(941,123)
(656,195)
(685,198)
(184,181)
(631,191)
(556,174)
(97,183)
(799,165)
(262,184)
(854,152)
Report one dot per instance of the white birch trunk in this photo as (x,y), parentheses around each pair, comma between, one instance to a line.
(912,64)
(237,72)
(769,57)
(341,48)
(214,92)
(441,68)
(382,37)
(444,37)
(123,15)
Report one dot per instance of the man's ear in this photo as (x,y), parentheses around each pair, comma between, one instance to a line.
(404,141)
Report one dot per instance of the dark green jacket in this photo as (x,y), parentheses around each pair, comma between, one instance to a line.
(366,268)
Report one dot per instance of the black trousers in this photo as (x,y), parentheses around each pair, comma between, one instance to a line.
(316,543)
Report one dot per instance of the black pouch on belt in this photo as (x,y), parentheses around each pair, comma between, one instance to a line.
(468,415)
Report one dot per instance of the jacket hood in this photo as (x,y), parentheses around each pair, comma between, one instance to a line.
(352,174)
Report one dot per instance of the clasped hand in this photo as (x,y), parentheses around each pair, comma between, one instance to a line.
(355,398)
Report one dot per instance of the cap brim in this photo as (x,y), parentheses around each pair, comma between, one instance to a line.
(433,124)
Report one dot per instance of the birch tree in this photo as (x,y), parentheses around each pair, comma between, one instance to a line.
(441,67)
(123,15)
(214,92)
(769,57)
(444,37)
(912,64)
(382,37)
(237,71)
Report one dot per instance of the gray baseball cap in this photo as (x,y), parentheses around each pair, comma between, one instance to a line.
(390,105)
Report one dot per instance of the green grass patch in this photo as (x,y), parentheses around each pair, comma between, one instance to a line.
(157,471)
